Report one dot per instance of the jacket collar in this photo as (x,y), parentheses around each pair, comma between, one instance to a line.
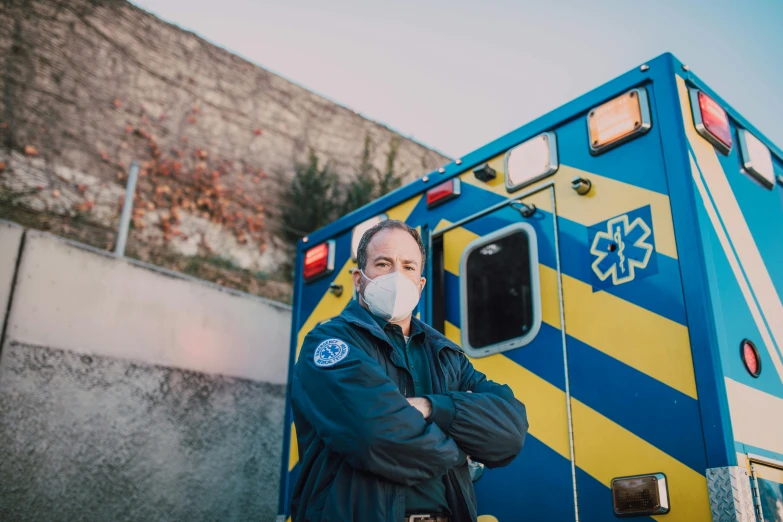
(356,314)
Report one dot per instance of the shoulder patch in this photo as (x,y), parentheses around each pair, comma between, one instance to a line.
(330,352)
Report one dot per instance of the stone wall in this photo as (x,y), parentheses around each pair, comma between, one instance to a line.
(90,85)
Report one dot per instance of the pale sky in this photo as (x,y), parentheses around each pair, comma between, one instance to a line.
(457,74)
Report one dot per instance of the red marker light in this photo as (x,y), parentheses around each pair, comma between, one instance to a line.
(750,357)
(319,261)
(443,192)
(711,121)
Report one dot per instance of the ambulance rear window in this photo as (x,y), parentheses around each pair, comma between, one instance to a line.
(500,291)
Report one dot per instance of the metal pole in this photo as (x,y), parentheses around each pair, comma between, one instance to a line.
(127,209)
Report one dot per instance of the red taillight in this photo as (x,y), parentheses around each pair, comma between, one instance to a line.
(750,358)
(319,261)
(711,121)
(443,192)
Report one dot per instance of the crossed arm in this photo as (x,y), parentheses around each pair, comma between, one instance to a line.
(359,412)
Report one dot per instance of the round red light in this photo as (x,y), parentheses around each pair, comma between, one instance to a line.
(750,357)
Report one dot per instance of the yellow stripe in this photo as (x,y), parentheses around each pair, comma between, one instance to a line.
(604,449)
(293,449)
(736,227)
(756,417)
(644,340)
(545,403)
(653,344)
(608,198)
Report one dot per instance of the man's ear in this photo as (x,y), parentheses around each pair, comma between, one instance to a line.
(357,278)
(423,282)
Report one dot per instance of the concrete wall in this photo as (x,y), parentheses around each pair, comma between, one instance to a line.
(129,393)
(10,240)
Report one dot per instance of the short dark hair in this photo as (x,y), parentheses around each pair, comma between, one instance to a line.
(388,224)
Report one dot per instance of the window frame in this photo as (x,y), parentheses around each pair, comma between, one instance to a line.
(535,284)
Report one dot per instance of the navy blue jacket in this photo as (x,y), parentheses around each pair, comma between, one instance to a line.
(360,441)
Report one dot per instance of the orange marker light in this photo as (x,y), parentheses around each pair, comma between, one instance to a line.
(618,120)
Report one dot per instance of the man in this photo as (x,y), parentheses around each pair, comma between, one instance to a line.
(387,409)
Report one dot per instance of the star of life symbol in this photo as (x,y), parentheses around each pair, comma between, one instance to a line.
(330,352)
(621,250)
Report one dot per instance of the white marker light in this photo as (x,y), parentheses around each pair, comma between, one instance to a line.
(532,160)
(757,159)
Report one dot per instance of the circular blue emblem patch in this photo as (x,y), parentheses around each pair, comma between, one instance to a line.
(330,352)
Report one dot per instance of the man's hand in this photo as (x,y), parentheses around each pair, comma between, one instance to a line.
(422,404)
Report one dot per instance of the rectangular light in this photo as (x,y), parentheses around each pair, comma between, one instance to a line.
(711,121)
(360,229)
(618,120)
(319,261)
(444,192)
(640,495)
(756,159)
(530,161)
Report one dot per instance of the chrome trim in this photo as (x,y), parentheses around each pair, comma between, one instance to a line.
(756,494)
(645,124)
(698,123)
(491,209)
(535,284)
(565,357)
(552,166)
(766,460)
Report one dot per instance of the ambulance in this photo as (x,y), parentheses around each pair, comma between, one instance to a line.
(619,263)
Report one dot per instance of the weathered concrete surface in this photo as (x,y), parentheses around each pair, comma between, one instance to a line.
(132,394)
(77,299)
(10,240)
(94,438)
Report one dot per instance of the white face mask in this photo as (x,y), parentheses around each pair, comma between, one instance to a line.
(392,297)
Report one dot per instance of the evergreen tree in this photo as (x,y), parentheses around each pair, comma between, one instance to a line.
(312,200)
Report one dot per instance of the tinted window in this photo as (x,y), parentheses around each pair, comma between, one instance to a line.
(499,293)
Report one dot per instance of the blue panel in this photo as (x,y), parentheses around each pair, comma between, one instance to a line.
(543,356)
(734,321)
(624,249)
(713,403)
(595,500)
(614,163)
(660,293)
(639,403)
(763,213)
(451,308)
(535,486)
